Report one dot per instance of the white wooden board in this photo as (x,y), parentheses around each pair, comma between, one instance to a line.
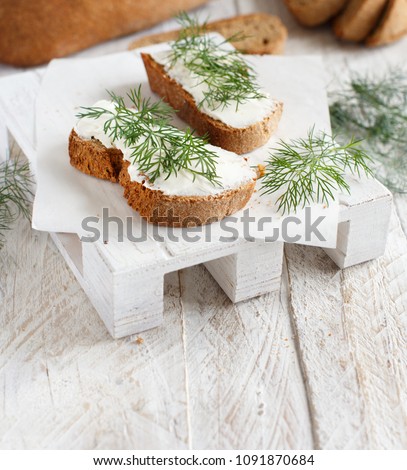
(214,375)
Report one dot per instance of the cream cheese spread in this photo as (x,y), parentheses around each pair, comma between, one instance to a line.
(231,169)
(246,114)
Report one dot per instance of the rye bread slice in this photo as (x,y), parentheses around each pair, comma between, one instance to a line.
(183,211)
(264,34)
(238,140)
(392,26)
(314,12)
(93,158)
(358,19)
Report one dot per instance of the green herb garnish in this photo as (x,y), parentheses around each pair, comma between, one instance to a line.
(15,193)
(227,76)
(157,147)
(310,170)
(375,109)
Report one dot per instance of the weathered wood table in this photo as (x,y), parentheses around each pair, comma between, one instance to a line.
(322,364)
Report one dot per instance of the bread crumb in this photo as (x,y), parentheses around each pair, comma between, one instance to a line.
(139,340)
(261,170)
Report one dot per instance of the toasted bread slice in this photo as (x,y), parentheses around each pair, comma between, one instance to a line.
(263,34)
(314,12)
(93,158)
(238,140)
(358,19)
(392,26)
(183,211)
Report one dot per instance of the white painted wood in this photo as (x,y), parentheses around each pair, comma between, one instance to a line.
(64,384)
(124,280)
(351,339)
(245,385)
(194,381)
(365,219)
(4,150)
(125,284)
(253,271)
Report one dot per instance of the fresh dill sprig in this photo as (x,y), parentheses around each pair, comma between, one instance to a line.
(15,193)
(227,77)
(311,169)
(374,108)
(157,147)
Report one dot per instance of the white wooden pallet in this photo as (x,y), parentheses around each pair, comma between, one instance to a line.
(124,281)
(126,286)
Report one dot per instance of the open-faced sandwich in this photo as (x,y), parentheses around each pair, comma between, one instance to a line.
(171,177)
(214,89)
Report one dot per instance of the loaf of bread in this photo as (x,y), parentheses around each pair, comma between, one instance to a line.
(392,26)
(358,19)
(314,12)
(34,32)
(92,158)
(263,34)
(238,140)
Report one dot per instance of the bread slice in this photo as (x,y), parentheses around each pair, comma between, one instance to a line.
(358,19)
(183,211)
(392,26)
(264,34)
(93,158)
(238,140)
(314,12)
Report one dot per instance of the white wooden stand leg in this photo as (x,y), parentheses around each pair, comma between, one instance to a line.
(254,270)
(128,302)
(362,235)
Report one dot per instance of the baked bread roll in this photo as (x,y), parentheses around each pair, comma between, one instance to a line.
(358,19)
(314,12)
(392,26)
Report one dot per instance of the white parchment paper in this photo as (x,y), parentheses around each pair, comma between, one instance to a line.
(65,196)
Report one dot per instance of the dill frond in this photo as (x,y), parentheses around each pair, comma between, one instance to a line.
(229,79)
(375,109)
(311,169)
(157,147)
(15,193)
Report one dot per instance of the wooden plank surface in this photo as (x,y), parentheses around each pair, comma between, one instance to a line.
(214,375)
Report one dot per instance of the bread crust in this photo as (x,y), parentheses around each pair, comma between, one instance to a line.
(183,211)
(93,158)
(358,19)
(392,26)
(264,34)
(238,140)
(314,12)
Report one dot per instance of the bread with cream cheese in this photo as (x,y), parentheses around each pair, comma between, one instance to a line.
(91,157)
(239,140)
(183,211)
